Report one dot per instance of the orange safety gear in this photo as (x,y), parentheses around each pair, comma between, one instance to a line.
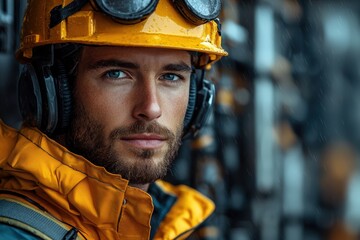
(73,190)
(164,28)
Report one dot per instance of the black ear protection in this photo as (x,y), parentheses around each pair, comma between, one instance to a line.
(45,97)
(44,92)
(201,100)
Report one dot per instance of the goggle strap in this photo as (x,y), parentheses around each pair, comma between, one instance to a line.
(59,13)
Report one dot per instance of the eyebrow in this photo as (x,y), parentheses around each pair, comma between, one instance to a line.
(177,67)
(113,63)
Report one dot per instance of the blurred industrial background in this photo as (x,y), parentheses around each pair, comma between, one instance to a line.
(279,155)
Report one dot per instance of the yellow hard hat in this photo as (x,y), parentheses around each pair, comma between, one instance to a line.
(164,27)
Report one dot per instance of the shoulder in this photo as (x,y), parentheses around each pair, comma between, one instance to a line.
(190,209)
(187,195)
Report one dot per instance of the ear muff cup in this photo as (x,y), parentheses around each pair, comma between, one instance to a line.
(192,101)
(45,96)
(29,96)
(201,101)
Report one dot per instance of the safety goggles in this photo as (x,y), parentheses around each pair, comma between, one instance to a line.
(134,11)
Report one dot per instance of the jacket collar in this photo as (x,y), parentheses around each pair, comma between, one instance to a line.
(103,200)
(103,204)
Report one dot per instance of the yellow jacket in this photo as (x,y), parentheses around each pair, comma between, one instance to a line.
(99,204)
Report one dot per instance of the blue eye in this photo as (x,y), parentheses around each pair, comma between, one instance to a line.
(116,74)
(170,77)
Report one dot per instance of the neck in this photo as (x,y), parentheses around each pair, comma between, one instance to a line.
(143,187)
(60,139)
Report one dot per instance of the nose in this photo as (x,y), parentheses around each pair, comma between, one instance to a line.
(147,106)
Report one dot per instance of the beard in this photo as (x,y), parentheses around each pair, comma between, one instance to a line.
(87,138)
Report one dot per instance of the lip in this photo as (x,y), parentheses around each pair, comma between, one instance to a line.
(145,141)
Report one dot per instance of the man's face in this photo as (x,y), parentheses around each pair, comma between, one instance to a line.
(130,105)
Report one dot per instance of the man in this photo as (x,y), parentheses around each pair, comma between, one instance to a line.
(107,94)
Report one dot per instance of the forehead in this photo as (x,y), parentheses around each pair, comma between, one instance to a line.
(90,53)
